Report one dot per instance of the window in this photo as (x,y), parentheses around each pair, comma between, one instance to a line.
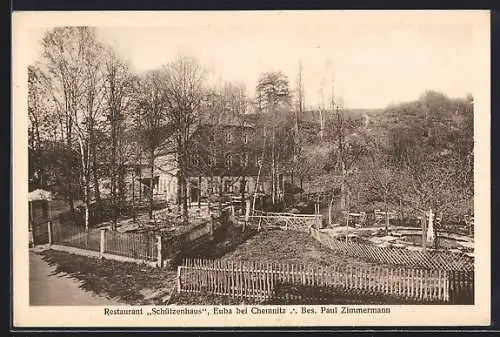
(195,160)
(245,159)
(213,160)
(257,161)
(236,160)
(211,138)
(227,186)
(245,138)
(229,137)
(229,160)
(243,186)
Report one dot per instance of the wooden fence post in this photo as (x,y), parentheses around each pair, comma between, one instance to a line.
(179,279)
(49,231)
(159,249)
(102,246)
(211,225)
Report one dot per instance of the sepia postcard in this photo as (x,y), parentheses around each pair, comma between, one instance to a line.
(251,169)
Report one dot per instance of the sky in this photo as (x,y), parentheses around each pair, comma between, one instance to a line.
(372,59)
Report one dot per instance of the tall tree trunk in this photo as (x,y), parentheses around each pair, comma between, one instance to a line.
(140,180)
(121,184)
(242,190)
(347,218)
(400,212)
(95,176)
(85,181)
(199,191)
(87,205)
(151,171)
(179,192)
(343,191)
(273,173)
(301,187)
(69,173)
(424,231)
(113,197)
(113,170)
(185,209)
(386,215)
(133,196)
(221,192)
(95,173)
(321,126)
(330,208)
(256,190)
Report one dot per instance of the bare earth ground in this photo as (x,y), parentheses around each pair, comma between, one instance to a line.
(104,282)
(48,287)
(280,246)
(134,284)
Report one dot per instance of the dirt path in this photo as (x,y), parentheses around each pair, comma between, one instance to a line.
(58,290)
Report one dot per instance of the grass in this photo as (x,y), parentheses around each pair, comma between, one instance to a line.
(288,247)
(137,284)
(129,283)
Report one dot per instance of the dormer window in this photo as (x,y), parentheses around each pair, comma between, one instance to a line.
(229,160)
(213,160)
(195,160)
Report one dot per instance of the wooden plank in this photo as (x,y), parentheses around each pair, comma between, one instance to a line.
(244,281)
(234,278)
(220,281)
(398,286)
(386,280)
(418,284)
(440,285)
(197,274)
(430,284)
(251,278)
(411,282)
(262,281)
(270,278)
(364,276)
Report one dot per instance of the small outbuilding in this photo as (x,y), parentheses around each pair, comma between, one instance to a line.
(39,202)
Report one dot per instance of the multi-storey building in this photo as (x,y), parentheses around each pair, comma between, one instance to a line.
(223,161)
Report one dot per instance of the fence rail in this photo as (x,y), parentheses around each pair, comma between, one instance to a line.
(396,256)
(299,222)
(136,246)
(266,281)
(74,236)
(132,245)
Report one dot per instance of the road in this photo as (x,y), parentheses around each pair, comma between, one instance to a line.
(57,290)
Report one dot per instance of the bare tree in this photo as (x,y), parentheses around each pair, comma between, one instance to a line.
(152,120)
(300,100)
(119,98)
(184,93)
(350,145)
(91,110)
(72,59)
(61,58)
(273,100)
